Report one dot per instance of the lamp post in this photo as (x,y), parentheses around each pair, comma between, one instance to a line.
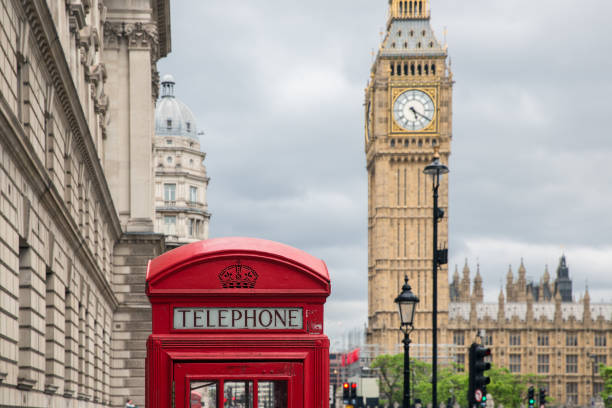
(436,169)
(406,302)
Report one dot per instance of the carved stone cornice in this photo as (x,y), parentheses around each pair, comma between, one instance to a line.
(162,17)
(77,13)
(154,83)
(139,35)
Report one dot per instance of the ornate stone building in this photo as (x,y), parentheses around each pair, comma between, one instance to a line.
(536,327)
(408,112)
(78,85)
(181,211)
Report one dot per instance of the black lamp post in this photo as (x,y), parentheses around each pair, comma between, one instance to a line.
(406,302)
(436,169)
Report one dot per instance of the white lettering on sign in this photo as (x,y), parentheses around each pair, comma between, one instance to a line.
(207,318)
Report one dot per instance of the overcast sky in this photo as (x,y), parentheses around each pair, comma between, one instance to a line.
(277,87)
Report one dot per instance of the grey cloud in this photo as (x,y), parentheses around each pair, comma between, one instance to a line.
(278,89)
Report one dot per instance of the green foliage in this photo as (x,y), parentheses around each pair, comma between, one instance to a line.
(506,388)
(509,389)
(606,374)
(390,377)
(391,380)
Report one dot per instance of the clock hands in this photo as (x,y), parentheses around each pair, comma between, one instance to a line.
(414,112)
(418,113)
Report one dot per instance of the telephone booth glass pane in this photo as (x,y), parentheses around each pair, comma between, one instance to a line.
(272,394)
(203,394)
(238,394)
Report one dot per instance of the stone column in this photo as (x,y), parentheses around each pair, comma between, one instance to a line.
(130,51)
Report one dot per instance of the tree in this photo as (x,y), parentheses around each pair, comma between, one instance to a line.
(390,377)
(606,374)
(391,380)
(453,384)
(509,389)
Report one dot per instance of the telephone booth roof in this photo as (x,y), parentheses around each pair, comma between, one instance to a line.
(181,267)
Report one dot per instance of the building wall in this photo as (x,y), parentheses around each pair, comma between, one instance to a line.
(60,231)
(572,336)
(178,161)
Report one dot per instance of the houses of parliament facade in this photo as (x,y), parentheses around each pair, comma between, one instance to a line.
(534,327)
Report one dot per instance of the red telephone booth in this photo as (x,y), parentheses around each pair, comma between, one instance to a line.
(237,323)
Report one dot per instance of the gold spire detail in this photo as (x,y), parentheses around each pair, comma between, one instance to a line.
(409,9)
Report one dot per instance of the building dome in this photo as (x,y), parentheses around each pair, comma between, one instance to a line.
(173,117)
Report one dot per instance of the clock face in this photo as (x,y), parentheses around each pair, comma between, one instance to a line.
(413,110)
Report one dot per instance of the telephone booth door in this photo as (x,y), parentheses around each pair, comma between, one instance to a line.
(237,384)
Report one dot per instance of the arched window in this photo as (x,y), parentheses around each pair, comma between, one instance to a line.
(392,68)
(420,7)
(412,69)
(419,69)
(426,67)
(405,69)
(392,142)
(433,69)
(399,69)
(392,45)
(419,44)
(169,123)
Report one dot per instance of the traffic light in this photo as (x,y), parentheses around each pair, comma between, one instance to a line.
(542,397)
(353,390)
(531,397)
(346,392)
(477,387)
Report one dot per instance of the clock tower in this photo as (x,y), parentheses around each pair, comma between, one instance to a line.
(408,109)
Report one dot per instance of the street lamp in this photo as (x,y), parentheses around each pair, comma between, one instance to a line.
(406,301)
(440,257)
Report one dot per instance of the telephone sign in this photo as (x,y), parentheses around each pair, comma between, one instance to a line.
(209,318)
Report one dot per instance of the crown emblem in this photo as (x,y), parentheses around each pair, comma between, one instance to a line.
(238,276)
